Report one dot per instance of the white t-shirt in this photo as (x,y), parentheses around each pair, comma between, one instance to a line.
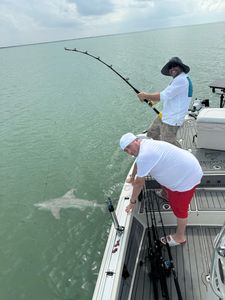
(173,167)
(176,100)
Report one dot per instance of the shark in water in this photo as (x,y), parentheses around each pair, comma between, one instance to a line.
(68,200)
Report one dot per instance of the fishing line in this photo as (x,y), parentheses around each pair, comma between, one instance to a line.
(111,68)
(53,136)
(46,180)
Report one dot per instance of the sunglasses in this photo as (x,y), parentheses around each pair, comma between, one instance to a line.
(173,65)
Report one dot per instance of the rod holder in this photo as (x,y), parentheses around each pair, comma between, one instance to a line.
(118,228)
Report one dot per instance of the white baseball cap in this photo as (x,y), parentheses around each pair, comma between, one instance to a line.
(127,139)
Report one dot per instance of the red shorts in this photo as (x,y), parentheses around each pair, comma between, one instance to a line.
(179,201)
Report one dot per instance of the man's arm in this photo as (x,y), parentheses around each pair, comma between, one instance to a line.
(153,97)
(131,177)
(137,187)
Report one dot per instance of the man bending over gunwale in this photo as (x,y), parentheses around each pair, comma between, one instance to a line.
(176,169)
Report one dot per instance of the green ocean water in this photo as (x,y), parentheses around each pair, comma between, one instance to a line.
(62,114)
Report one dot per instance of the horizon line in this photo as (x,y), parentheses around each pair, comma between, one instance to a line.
(106,35)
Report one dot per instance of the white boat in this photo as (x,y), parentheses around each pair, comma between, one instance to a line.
(134,265)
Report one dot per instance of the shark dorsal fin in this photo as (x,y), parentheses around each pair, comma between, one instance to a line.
(69,194)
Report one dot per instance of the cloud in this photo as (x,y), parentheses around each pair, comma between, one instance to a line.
(211,6)
(93,7)
(41,20)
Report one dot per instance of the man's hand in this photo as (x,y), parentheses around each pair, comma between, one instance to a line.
(142,96)
(152,98)
(130,207)
(137,187)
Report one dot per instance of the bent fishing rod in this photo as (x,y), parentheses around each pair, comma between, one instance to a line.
(111,68)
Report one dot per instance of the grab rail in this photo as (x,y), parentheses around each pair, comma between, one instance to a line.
(217,277)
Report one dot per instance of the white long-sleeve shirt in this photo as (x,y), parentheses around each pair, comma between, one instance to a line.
(176,98)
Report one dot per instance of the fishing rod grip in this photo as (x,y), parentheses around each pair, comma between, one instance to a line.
(138,92)
(155,110)
(148,102)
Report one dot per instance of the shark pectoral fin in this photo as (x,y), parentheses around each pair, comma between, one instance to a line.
(56,212)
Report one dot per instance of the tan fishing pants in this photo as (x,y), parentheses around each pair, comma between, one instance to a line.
(164,132)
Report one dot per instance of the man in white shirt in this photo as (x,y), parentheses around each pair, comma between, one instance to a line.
(176,98)
(175,169)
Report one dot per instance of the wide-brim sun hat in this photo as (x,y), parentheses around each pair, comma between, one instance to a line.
(126,140)
(174,61)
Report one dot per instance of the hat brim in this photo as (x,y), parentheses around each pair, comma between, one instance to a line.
(165,69)
(126,140)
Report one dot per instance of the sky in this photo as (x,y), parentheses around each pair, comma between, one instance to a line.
(36,21)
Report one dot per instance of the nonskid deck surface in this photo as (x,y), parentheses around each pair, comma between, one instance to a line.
(192,260)
(203,201)
(192,264)
(211,160)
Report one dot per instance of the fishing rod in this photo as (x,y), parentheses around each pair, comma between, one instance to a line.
(162,266)
(153,274)
(111,68)
(176,282)
(163,269)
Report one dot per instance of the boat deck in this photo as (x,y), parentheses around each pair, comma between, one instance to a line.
(192,260)
(212,161)
(192,264)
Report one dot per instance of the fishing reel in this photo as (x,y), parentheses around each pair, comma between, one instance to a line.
(167,267)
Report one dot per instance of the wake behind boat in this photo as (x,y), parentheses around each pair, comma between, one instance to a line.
(135,265)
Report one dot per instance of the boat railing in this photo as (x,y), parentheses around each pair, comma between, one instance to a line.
(218,87)
(218,265)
